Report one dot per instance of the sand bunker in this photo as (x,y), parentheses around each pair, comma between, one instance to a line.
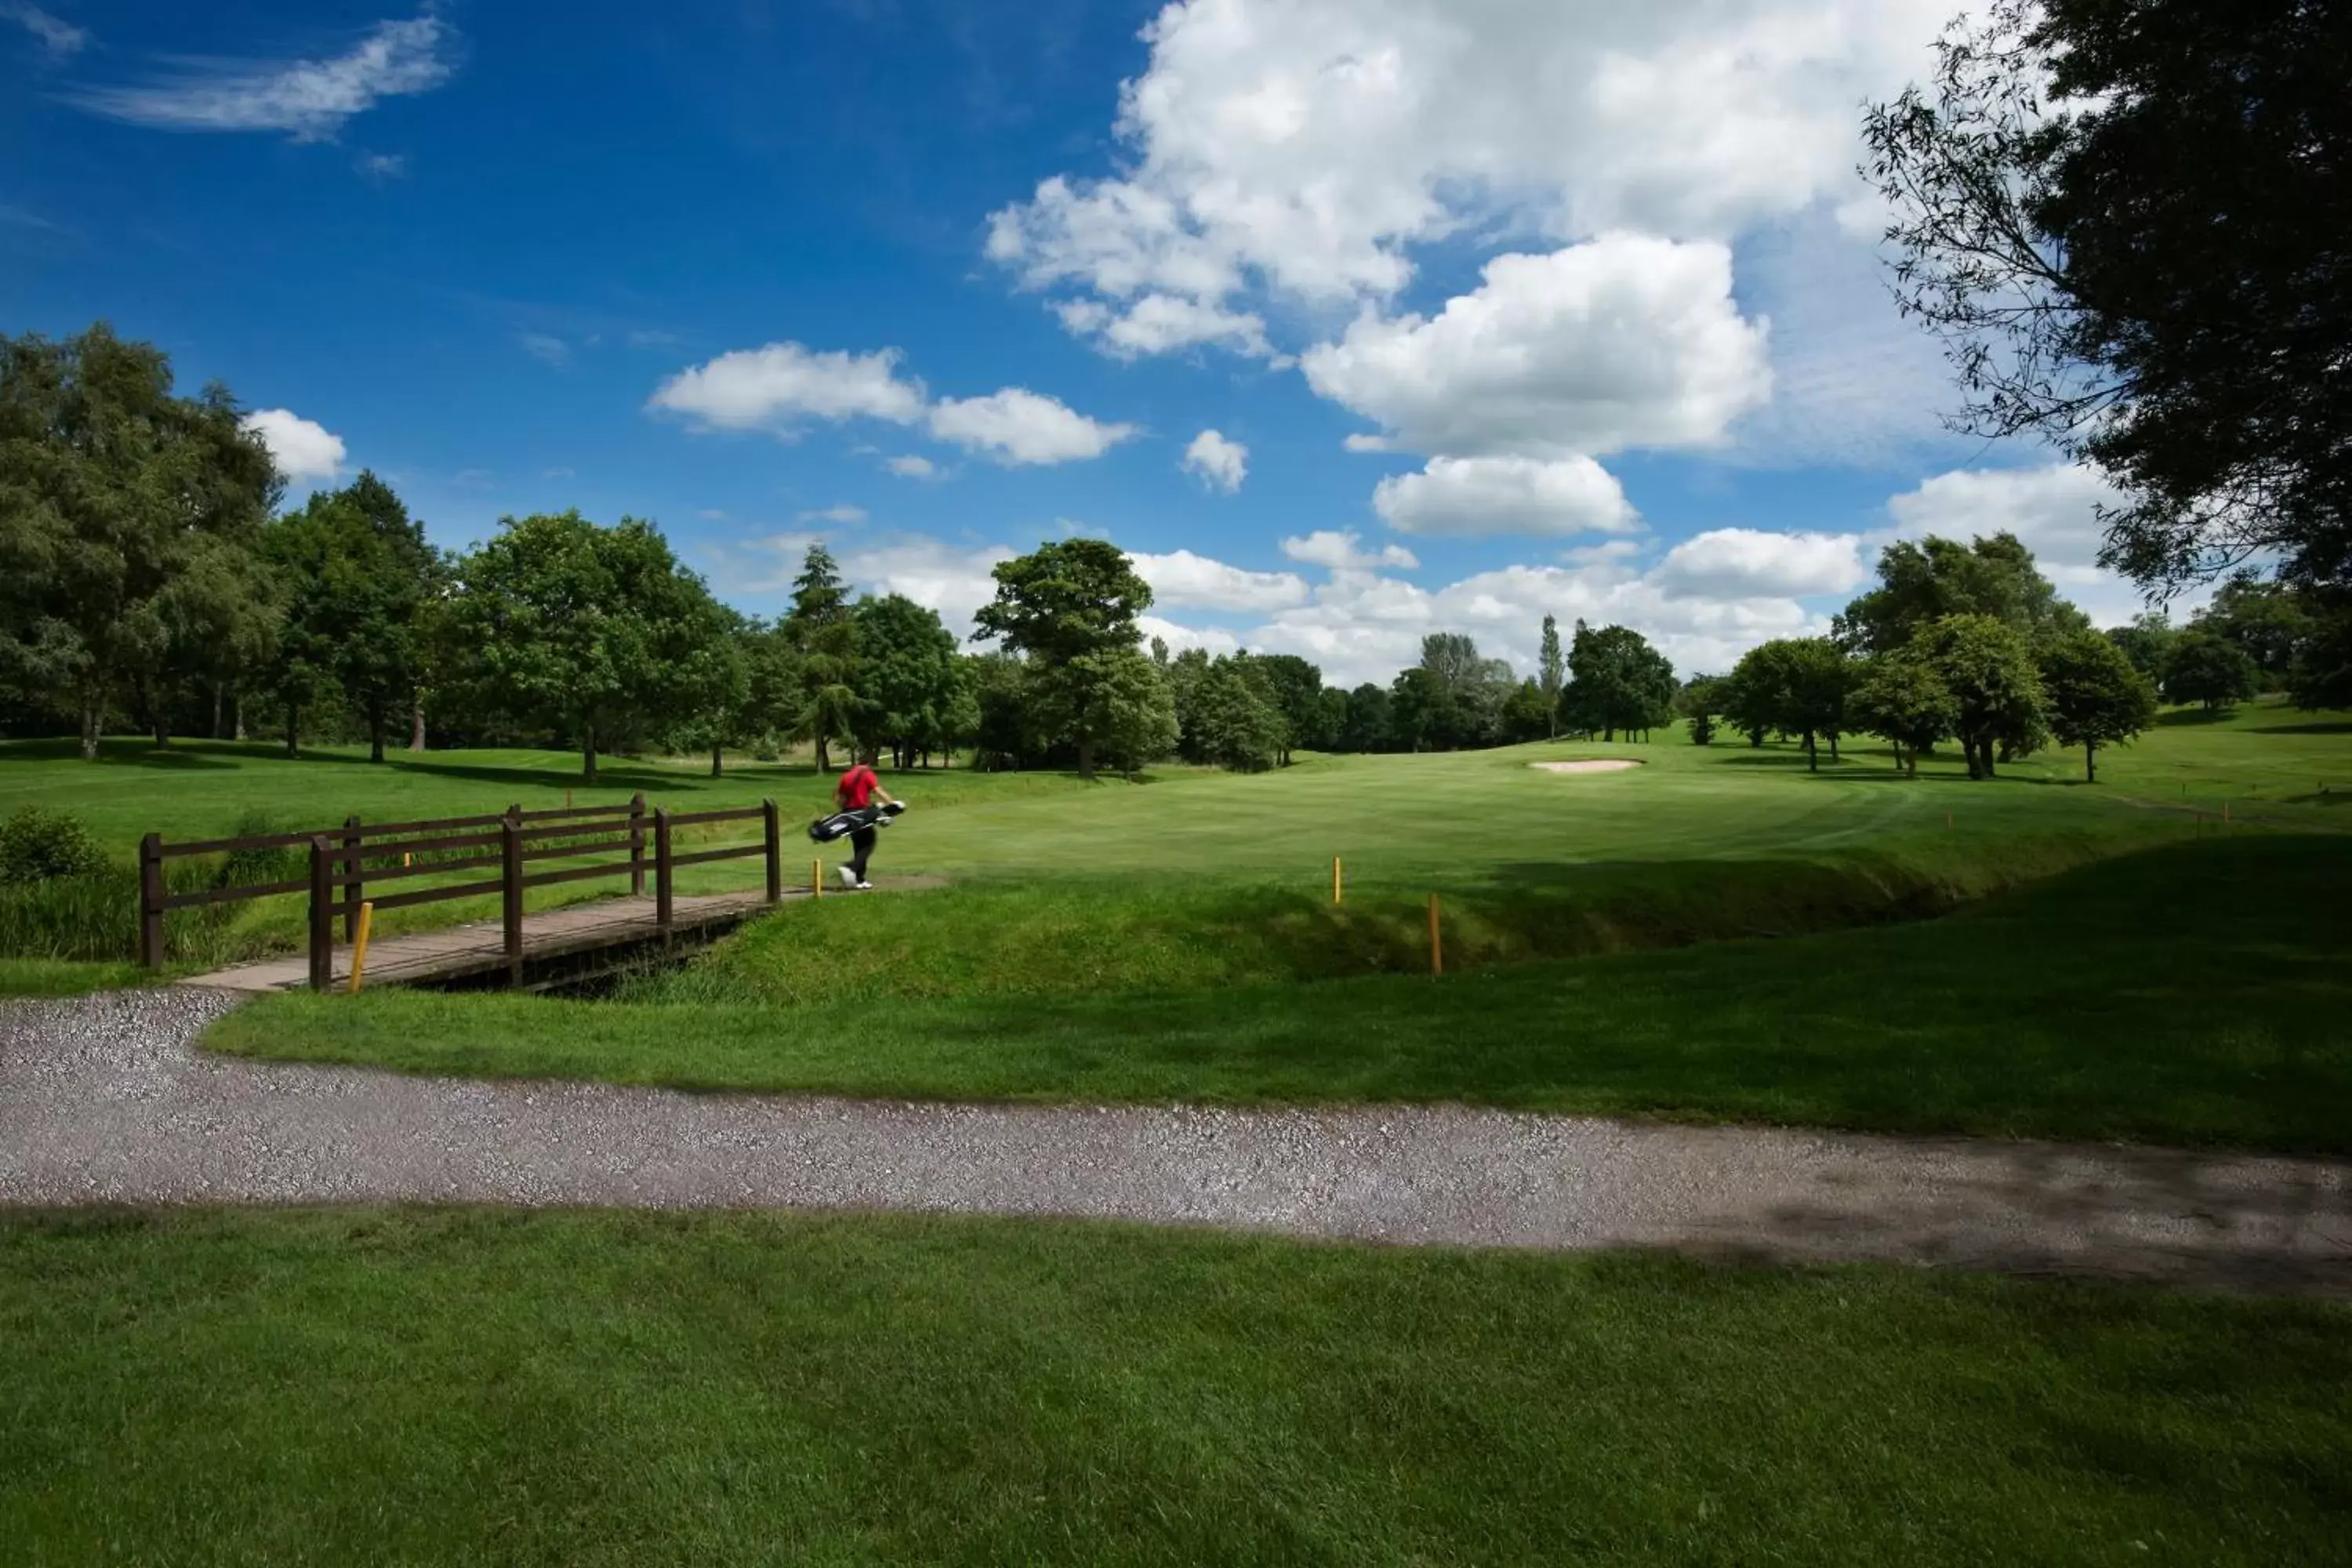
(1600,766)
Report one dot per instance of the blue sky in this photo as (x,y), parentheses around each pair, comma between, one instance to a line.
(1593,296)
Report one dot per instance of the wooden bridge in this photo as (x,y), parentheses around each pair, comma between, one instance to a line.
(494,854)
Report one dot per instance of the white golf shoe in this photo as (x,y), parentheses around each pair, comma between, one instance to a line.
(849,877)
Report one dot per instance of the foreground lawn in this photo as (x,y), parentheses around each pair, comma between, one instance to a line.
(2194,995)
(434,1387)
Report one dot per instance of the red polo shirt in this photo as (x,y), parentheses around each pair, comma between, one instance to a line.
(857,788)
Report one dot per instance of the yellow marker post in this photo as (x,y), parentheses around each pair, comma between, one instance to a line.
(359,945)
(816,879)
(1335,883)
(1436,942)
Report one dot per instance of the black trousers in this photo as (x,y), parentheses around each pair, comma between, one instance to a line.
(861,845)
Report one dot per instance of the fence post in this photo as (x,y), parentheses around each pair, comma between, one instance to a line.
(771,821)
(151,900)
(1436,942)
(359,946)
(638,845)
(662,890)
(510,890)
(322,915)
(351,879)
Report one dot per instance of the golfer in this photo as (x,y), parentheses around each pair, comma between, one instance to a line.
(859,788)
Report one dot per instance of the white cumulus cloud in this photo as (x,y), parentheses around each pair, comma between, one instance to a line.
(776,386)
(1183,579)
(1505,495)
(1307,146)
(912,466)
(1016,426)
(1341,549)
(1745,562)
(1180,639)
(310,98)
(1220,463)
(305,451)
(1626,342)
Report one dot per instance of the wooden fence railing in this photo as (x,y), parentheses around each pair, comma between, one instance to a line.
(347,861)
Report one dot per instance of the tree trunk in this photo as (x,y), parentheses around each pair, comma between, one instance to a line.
(1085,756)
(293,730)
(715,763)
(1833,741)
(824,758)
(163,727)
(216,710)
(375,736)
(588,756)
(417,724)
(2090,761)
(1609,735)
(1812,758)
(240,715)
(92,720)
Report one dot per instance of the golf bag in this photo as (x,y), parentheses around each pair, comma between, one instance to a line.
(842,823)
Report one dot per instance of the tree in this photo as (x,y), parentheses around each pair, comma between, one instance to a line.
(125,515)
(1423,714)
(1240,728)
(907,673)
(1464,703)
(714,687)
(2269,620)
(2209,670)
(1700,699)
(1921,581)
(1551,670)
(1128,713)
(1069,600)
(357,576)
(2322,674)
(1528,716)
(595,628)
(1617,682)
(2096,698)
(1368,723)
(1901,696)
(2125,219)
(1996,691)
(2147,642)
(1796,685)
(823,705)
(1295,686)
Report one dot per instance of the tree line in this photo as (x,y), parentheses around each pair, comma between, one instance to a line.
(146,570)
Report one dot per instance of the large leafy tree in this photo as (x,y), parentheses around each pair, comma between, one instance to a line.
(1294,688)
(127,520)
(1902,697)
(714,709)
(2146,640)
(1921,581)
(1701,699)
(2125,217)
(2269,620)
(907,673)
(1369,724)
(2096,697)
(1240,725)
(1062,606)
(1997,696)
(1617,682)
(595,628)
(1127,714)
(1795,685)
(357,576)
(2210,671)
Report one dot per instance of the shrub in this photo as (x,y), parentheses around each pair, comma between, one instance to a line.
(37,845)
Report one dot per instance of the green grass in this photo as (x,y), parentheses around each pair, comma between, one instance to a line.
(437,1386)
(64,977)
(2191,994)
(1200,880)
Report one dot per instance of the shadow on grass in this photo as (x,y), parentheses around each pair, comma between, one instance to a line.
(2181,718)
(2316,727)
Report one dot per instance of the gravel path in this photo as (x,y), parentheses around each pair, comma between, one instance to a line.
(104,1101)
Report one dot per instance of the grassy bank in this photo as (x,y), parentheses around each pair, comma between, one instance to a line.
(412,1387)
(2194,995)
